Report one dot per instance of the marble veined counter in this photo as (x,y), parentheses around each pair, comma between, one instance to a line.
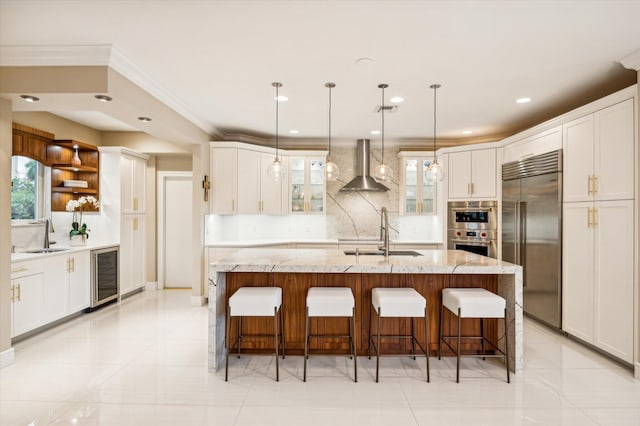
(320,261)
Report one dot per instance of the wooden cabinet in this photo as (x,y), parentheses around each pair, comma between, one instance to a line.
(472,174)
(60,154)
(30,142)
(224,166)
(599,155)
(307,191)
(416,195)
(597,278)
(27,296)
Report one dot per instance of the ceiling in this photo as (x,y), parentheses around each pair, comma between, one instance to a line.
(214,61)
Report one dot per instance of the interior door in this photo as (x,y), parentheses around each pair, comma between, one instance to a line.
(177,253)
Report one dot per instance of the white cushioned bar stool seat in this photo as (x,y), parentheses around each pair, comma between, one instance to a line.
(473,303)
(398,303)
(255,302)
(331,302)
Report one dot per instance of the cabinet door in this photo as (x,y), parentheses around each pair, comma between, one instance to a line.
(138,263)
(577,271)
(483,173)
(578,159)
(79,282)
(139,184)
(55,291)
(297,184)
(270,190)
(126,183)
(315,186)
(614,278)
(459,174)
(410,191)
(224,163)
(248,182)
(614,152)
(28,303)
(126,253)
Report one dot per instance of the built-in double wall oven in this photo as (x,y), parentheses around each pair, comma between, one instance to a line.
(473,226)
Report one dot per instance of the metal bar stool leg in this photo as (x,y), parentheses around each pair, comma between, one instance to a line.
(378,349)
(426,341)
(458,348)
(306,344)
(239,334)
(227,339)
(413,339)
(275,339)
(353,345)
(440,335)
(370,326)
(506,345)
(482,337)
(282,331)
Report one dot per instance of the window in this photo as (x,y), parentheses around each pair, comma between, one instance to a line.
(26,188)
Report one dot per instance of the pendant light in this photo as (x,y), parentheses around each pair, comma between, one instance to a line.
(383,172)
(277,169)
(434,173)
(331,170)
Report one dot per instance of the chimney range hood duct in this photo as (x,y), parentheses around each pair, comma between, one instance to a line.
(363,181)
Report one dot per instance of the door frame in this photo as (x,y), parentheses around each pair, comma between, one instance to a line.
(162,177)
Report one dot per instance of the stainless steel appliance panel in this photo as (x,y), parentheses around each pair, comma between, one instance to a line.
(532,231)
(105,275)
(472,215)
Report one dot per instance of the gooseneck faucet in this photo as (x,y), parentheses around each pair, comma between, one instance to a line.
(384,231)
(46,233)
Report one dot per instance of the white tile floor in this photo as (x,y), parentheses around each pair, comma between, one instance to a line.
(143,362)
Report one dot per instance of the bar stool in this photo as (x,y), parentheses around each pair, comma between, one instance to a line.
(331,302)
(474,303)
(254,302)
(398,302)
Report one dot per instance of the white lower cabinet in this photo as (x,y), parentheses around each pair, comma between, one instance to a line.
(67,285)
(79,281)
(27,282)
(598,258)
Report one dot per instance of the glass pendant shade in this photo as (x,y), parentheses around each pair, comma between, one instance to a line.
(331,170)
(434,173)
(383,173)
(276,170)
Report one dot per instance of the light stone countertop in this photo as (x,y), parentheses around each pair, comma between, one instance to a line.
(270,242)
(335,261)
(61,249)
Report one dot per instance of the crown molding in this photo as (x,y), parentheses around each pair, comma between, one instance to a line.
(102,55)
(632,60)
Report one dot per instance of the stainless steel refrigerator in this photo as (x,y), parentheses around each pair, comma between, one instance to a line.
(532,231)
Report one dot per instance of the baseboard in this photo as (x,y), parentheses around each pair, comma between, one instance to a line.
(636,371)
(152,285)
(7,357)
(198,300)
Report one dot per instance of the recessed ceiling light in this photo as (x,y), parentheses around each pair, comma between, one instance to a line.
(75,146)
(363,62)
(30,98)
(396,99)
(144,119)
(523,100)
(467,132)
(282,98)
(103,98)
(294,131)
(375,132)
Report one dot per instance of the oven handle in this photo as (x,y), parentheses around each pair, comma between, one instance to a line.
(472,242)
(485,210)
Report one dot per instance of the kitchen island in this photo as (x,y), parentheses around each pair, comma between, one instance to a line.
(296,270)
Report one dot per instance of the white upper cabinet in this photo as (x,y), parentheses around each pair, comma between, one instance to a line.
(272,193)
(133,181)
(599,155)
(224,164)
(541,143)
(248,171)
(472,174)
(416,195)
(307,190)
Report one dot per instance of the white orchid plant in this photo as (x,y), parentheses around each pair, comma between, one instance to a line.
(77,206)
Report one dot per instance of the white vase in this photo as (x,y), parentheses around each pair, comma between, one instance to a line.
(78,240)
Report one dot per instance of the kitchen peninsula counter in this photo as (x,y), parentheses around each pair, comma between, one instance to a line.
(295,270)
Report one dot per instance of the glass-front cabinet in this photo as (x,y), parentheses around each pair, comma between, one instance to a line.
(307,185)
(416,195)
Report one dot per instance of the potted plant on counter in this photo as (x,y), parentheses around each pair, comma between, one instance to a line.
(79,231)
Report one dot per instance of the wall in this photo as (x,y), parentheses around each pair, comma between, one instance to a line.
(142,142)
(349,215)
(5,230)
(174,163)
(60,127)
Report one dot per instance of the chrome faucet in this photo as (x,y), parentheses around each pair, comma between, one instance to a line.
(46,233)
(384,231)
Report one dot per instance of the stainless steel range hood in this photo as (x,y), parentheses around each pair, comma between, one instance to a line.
(363,181)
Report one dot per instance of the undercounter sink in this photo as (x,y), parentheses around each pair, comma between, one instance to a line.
(381,253)
(46,250)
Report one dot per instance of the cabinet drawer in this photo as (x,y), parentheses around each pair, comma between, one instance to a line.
(26,268)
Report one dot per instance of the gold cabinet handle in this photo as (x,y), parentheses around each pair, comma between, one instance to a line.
(73,264)
(233,205)
(595,185)
(588,217)
(13,293)
(589,191)
(22,269)
(19,292)
(68,264)
(595,217)
(135,224)
(472,188)
(135,203)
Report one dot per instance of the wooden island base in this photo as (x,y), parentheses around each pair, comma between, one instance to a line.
(296,285)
